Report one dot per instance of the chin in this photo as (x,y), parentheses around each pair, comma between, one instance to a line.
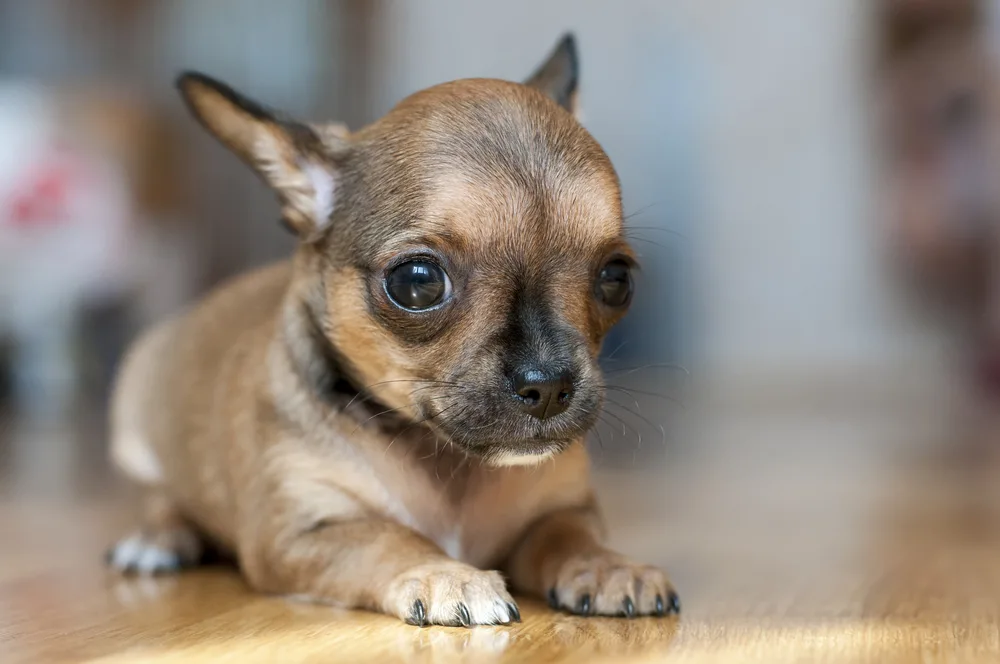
(529,453)
(507,459)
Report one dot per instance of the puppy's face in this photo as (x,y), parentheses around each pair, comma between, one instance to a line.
(468,253)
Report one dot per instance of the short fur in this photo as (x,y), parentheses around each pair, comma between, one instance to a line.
(358,453)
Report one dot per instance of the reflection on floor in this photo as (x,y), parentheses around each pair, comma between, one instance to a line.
(849,538)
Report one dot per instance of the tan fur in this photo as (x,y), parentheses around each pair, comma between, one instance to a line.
(219,415)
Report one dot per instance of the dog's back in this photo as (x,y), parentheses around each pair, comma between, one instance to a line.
(179,374)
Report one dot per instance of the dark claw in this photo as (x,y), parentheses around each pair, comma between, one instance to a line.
(463,615)
(659,605)
(553,599)
(674,602)
(418,616)
(629,607)
(514,613)
(585,605)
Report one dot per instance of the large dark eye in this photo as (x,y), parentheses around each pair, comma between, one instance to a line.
(417,285)
(614,284)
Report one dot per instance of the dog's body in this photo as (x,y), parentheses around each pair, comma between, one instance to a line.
(404,403)
(229,356)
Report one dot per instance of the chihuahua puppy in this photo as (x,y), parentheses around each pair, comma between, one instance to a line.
(397,413)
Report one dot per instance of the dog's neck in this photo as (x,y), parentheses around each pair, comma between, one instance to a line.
(317,367)
(322,371)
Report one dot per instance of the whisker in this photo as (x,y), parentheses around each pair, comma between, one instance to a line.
(611,357)
(438,422)
(630,390)
(655,365)
(659,229)
(429,418)
(484,426)
(384,412)
(641,210)
(458,467)
(659,427)
(465,408)
(621,389)
(447,422)
(637,432)
(600,438)
(636,238)
(364,390)
(425,387)
(602,418)
(623,422)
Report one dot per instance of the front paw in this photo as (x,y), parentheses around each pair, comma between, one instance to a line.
(152,552)
(451,593)
(604,583)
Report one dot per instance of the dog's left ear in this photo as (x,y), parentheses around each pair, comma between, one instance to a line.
(559,76)
(298,161)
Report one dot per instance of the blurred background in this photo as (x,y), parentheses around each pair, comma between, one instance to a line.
(811,186)
(811,370)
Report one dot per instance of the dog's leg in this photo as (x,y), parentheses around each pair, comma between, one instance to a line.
(379,565)
(164,543)
(561,558)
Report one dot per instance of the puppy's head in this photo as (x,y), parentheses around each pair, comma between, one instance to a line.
(465,253)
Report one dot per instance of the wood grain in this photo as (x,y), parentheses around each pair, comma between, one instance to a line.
(808,540)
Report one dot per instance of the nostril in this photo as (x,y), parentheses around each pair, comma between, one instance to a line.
(542,394)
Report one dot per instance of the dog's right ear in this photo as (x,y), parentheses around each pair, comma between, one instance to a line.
(290,156)
(559,75)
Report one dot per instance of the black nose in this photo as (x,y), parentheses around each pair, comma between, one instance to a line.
(543,395)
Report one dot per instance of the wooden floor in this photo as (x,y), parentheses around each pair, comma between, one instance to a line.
(866,538)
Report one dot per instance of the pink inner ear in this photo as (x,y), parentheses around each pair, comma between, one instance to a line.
(324,187)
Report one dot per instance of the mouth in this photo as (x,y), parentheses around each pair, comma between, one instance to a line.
(503,448)
(509,442)
(502,434)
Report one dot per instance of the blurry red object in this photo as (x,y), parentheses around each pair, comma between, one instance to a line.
(45,197)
